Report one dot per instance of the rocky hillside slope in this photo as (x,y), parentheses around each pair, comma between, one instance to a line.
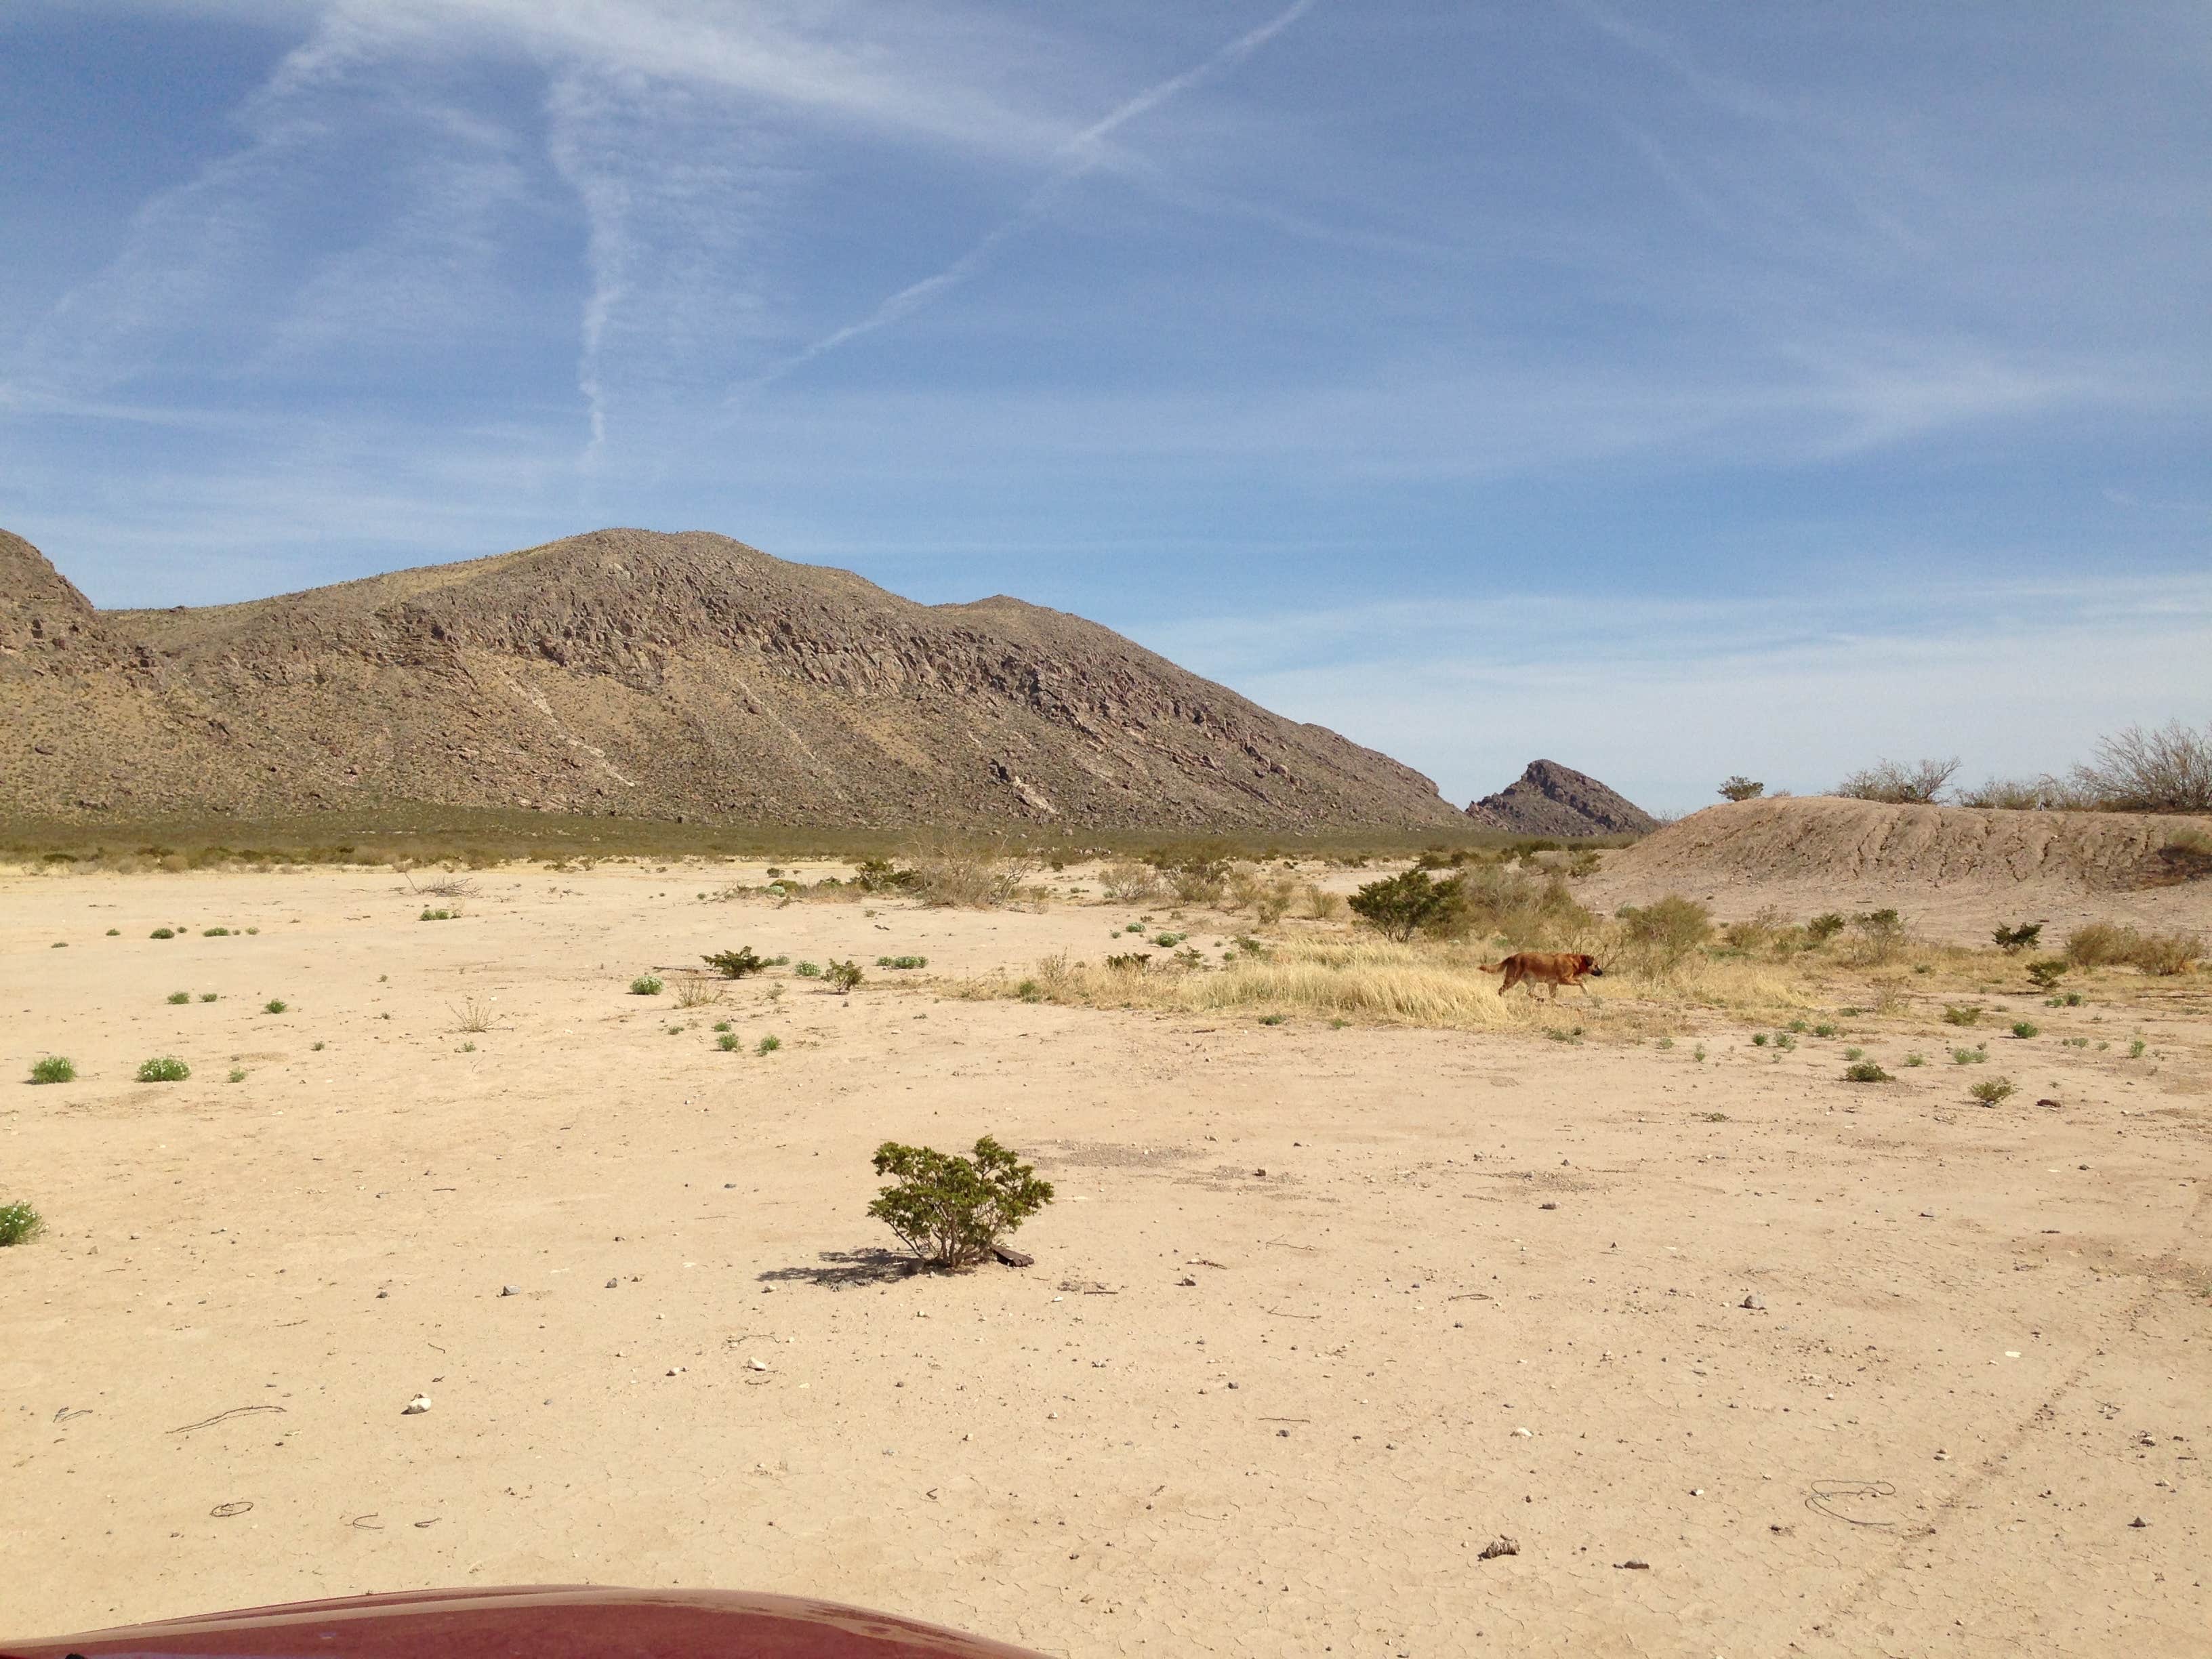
(1552,800)
(625,671)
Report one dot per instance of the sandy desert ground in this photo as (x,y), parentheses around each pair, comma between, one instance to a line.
(1320,1314)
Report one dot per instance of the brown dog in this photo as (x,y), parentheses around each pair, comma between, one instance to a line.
(1552,967)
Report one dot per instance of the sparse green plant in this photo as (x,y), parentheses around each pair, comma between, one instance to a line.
(1697,1054)
(645,985)
(722,1025)
(1412,901)
(1969,1057)
(316,1048)
(737,963)
(2013,940)
(215,932)
(468,1048)
(1030,991)
(697,991)
(473,1016)
(210,996)
(1795,1026)
(1825,926)
(767,1045)
(275,1005)
(2136,1048)
(2045,974)
(1854,1053)
(1670,927)
(115,932)
(438,916)
(807,970)
(1785,1043)
(163,933)
(1991,1090)
(1916,1060)
(843,976)
(53,1068)
(19,1224)
(180,997)
(166,1068)
(728,1042)
(1759,1039)
(1272,1019)
(237,1073)
(2026,1028)
(1962,1013)
(1825,1028)
(1882,935)
(902,963)
(1740,788)
(952,1210)
(1865,1071)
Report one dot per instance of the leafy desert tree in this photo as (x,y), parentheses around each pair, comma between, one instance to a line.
(736,964)
(1740,788)
(1400,906)
(950,1211)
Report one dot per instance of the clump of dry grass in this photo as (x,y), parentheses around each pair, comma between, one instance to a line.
(697,991)
(972,881)
(2108,944)
(1125,881)
(1317,904)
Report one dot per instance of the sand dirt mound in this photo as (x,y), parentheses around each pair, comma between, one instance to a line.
(1823,838)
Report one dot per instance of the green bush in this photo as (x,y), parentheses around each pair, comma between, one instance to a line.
(645,984)
(275,1005)
(238,1072)
(1969,1057)
(162,932)
(1740,788)
(727,1043)
(807,970)
(1955,1013)
(1882,935)
(1864,1071)
(2013,940)
(1411,901)
(950,1209)
(736,964)
(166,1068)
(438,916)
(902,963)
(1991,1090)
(843,976)
(179,996)
(767,1045)
(53,1068)
(19,1224)
(1673,926)
(1822,928)
(215,932)
(210,996)
(2047,973)
(1916,1060)
(2026,1028)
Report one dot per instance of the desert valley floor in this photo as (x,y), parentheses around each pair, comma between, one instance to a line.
(1743,1359)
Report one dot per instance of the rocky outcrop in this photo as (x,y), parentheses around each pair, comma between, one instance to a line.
(1554,800)
(651,675)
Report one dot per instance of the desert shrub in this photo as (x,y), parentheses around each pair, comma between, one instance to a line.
(1126,882)
(2166,770)
(645,984)
(438,916)
(1881,936)
(1317,904)
(2013,940)
(162,932)
(697,991)
(2098,945)
(1916,1060)
(727,1043)
(843,976)
(275,1005)
(1969,1057)
(19,1224)
(2026,1028)
(472,1016)
(882,876)
(1740,788)
(807,970)
(166,1068)
(210,996)
(238,1072)
(1274,899)
(1991,1090)
(2165,953)
(1962,1013)
(973,881)
(2107,945)
(736,964)
(2045,973)
(1897,784)
(53,1068)
(1409,902)
(904,964)
(1864,1071)
(1134,962)
(1670,927)
(177,997)
(1198,880)
(948,1210)
(1825,926)
(767,1045)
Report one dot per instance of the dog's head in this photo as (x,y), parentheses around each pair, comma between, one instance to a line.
(1590,967)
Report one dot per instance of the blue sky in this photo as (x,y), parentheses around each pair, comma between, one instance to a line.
(1668,390)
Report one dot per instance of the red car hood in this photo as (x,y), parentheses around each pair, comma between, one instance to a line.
(531,1621)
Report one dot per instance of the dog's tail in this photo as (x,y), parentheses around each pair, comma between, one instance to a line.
(1491,967)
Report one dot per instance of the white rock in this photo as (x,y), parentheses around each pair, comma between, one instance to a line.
(416,1406)
(758,1364)
(1525,1434)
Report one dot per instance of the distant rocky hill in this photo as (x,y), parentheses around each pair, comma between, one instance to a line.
(1552,800)
(677,676)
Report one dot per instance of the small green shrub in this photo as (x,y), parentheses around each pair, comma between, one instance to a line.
(807,970)
(2025,1028)
(1882,935)
(737,963)
(1854,1053)
(115,932)
(2136,1048)
(1759,1039)
(1030,991)
(728,1042)
(2066,999)
(1272,1019)
(722,1025)
(1796,1026)
(1916,1060)
(275,1005)
(843,976)
(903,964)
(215,932)
(1740,788)
(1822,928)
(1409,902)
(179,996)
(1956,1013)
(767,1045)
(1824,1030)
(238,1072)
(166,1068)
(1864,1071)
(1785,1043)
(645,984)
(162,932)
(19,1224)
(2013,940)
(438,916)
(210,996)
(1991,1090)
(949,1211)
(2047,973)
(53,1068)
(1672,926)
(1969,1057)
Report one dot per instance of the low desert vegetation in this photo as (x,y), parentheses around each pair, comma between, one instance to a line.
(2187,855)
(179,998)
(162,932)
(697,991)
(1990,1090)
(1126,881)
(904,965)
(952,1210)
(645,985)
(843,976)
(767,1045)
(1740,788)
(737,963)
(1865,1071)
(20,1222)
(1897,784)
(2109,945)
(53,1068)
(2015,939)
(441,914)
(275,1005)
(164,1068)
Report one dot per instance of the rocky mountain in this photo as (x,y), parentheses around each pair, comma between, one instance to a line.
(1552,800)
(629,673)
